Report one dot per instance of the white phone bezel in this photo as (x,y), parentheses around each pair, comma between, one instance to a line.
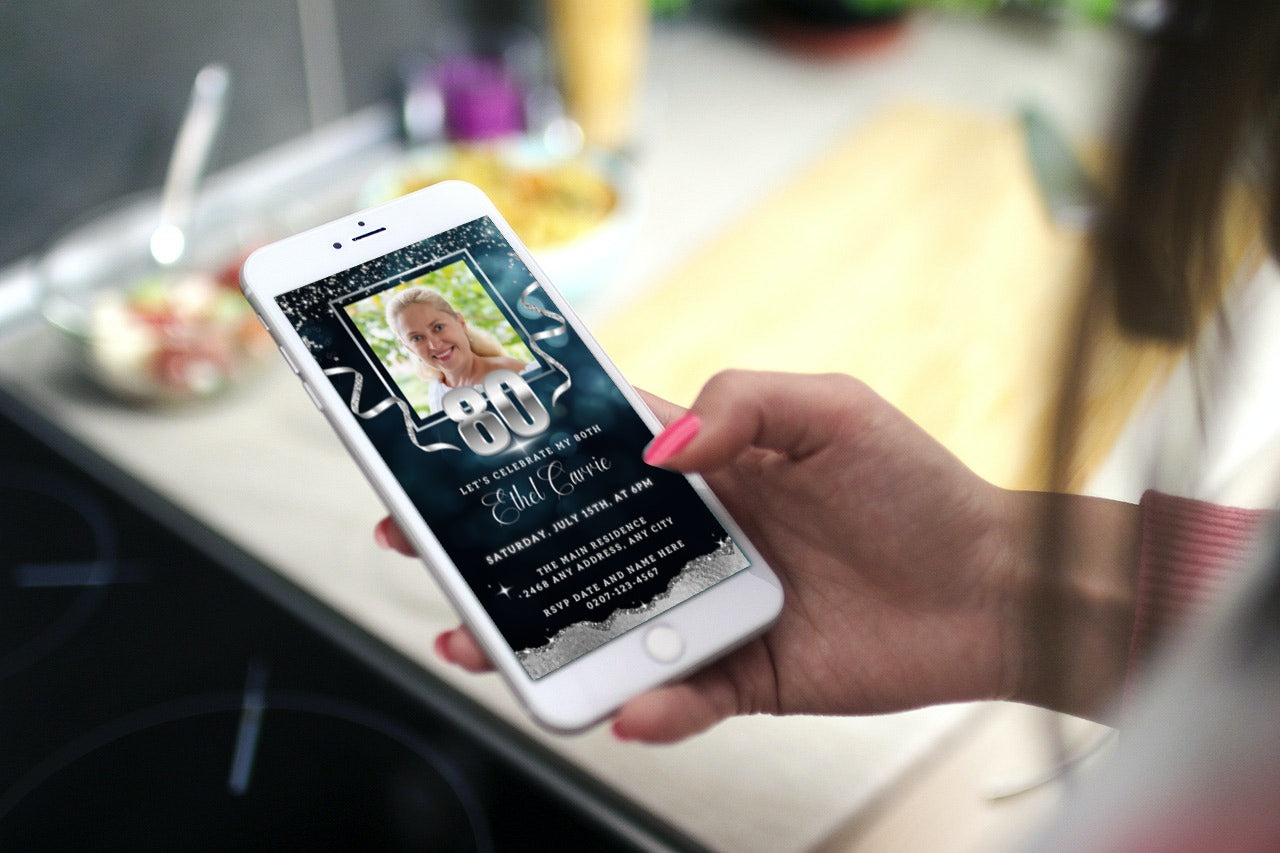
(586,690)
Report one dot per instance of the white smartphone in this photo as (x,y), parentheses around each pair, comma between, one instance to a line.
(508,448)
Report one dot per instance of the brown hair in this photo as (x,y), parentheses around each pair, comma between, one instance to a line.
(1206,115)
(1205,123)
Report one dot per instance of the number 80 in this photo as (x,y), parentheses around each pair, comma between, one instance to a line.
(518,409)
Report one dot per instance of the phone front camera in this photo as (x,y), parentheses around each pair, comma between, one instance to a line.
(337,245)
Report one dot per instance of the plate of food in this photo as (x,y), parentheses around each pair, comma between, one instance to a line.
(578,214)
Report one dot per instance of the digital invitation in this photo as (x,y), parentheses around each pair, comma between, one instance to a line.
(512,442)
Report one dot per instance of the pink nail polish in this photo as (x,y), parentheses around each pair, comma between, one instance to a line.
(673,439)
(617,732)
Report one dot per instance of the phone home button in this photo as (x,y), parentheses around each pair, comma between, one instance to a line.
(664,644)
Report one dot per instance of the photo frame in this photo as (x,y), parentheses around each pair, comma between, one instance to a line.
(461,282)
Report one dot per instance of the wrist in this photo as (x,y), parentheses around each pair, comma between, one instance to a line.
(1071,584)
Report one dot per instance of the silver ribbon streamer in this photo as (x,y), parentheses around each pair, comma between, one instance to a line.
(382,406)
(543,335)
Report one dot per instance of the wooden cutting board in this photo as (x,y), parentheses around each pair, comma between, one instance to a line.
(917,255)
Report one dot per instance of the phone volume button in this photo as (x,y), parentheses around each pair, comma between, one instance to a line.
(288,360)
(312,394)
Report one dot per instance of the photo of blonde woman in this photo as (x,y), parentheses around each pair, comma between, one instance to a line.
(439,330)
(447,351)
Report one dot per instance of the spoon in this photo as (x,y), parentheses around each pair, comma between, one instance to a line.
(190,155)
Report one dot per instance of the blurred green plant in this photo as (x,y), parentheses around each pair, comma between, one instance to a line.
(1095,10)
(877,7)
(459,286)
(670,8)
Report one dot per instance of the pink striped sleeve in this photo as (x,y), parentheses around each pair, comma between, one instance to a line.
(1189,548)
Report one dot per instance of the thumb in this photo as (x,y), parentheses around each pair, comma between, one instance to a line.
(791,414)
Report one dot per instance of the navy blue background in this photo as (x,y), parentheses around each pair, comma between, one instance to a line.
(436,481)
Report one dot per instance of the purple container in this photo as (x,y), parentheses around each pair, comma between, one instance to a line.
(481,101)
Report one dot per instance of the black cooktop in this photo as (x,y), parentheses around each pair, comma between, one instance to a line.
(161,690)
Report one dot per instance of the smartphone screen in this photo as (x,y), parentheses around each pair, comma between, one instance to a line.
(528,469)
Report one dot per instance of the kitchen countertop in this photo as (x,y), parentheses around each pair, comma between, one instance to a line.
(728,123)
(780,111)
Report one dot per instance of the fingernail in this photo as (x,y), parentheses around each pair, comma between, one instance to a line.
(441,647)
(617,732)
(380,536)
(673,439)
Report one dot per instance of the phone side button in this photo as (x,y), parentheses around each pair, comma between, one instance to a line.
(664,644)
(287,360)
(312,395)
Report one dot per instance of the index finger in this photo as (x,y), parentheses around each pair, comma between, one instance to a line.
(665,410)
(791,414)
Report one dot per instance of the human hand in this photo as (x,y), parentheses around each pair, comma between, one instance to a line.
(895,558)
